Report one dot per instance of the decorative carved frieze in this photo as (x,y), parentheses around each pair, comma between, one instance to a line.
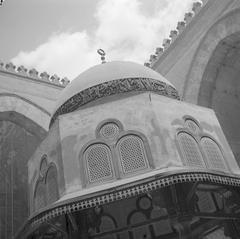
(112,88)
(138,189)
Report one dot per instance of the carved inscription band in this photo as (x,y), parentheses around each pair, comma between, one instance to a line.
(112,88)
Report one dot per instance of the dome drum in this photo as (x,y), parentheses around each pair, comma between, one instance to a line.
(101,148)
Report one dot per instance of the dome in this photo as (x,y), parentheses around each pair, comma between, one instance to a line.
(111,75)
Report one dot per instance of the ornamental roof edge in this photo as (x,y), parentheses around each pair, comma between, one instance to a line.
(33,74)
(174,34)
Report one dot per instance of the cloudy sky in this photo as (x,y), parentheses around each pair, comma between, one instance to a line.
(62,37)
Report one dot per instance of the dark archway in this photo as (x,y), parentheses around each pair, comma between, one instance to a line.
(220,88)
(19,137)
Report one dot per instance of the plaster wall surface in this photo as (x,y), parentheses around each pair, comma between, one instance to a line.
(156,117)
(51,147)
(44,94)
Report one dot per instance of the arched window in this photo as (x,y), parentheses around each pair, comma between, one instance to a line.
(213,154)
(192,126)
(107,224)
(132,154)
(43,165)
(40,196)
(140,231)
(190,150)
(52,185)
(46,190)
(98,161)
(109,131)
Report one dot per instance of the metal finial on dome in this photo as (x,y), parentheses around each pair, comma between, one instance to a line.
(102,53)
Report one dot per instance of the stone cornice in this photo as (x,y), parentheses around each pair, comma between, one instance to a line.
(32,74)
(140,188)
(115,87)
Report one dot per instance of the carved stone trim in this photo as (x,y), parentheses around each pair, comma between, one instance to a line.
(132,191)
(112,88)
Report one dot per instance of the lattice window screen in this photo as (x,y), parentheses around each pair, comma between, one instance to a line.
(40,196)
(132,153)
(190,150)
(205,202)
(214,155)
(52,186)
(192,126)
(98,162)
(109,131)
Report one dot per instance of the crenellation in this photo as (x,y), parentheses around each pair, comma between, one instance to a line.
(204,2)
(159,51)
(166,43)
(173,35)
(10,67)
(44,76)
(55,79)
(64,81)
(33,73)
(152,58)
(22,70)
(196,7)
(188,17)
(1,65)
(180,26)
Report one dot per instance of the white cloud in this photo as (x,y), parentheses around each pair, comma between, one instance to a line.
(124,30)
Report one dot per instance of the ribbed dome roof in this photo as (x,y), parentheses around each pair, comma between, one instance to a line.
(99,74)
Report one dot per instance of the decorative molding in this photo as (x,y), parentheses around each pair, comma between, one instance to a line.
(115,87)
(132,191)
(33,74)
(174,34)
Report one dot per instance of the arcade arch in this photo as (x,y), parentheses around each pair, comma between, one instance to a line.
(21,131)
(213,80)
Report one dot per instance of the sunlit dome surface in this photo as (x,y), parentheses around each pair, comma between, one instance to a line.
(102,73)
